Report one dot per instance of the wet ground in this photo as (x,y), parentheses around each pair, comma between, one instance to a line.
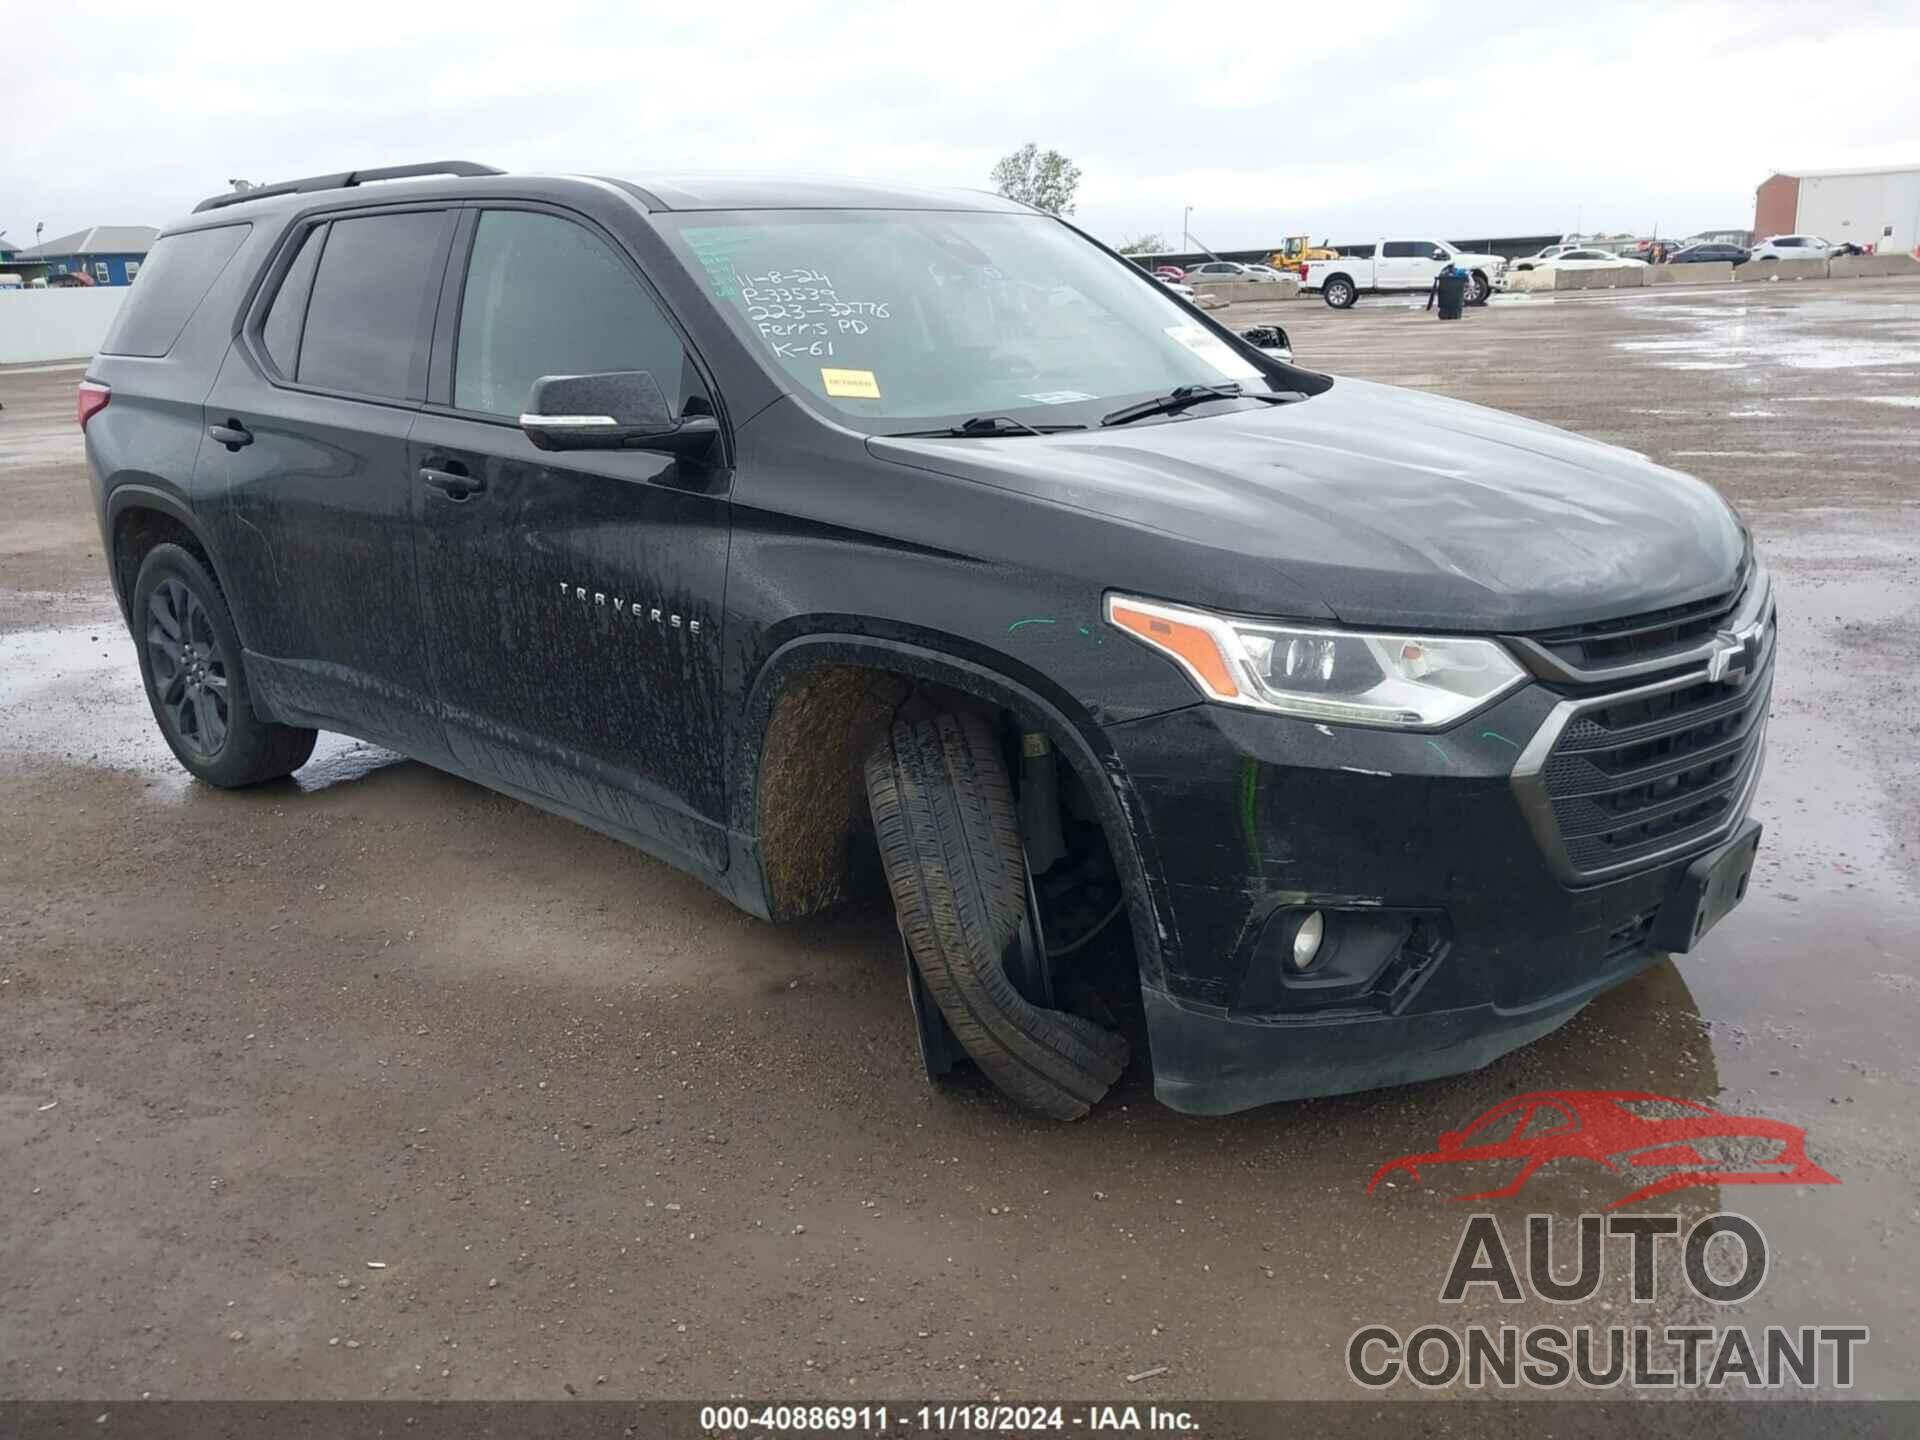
(605,1135)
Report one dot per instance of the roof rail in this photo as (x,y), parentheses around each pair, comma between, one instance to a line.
(346,179)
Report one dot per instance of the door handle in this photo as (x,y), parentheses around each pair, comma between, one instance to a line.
(232,434)
(455,484)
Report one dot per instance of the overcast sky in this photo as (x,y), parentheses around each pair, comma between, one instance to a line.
(1342,119)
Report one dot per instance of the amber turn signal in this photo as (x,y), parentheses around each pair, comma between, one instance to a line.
(1192,645)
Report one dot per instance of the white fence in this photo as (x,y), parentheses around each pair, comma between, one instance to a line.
(66,324)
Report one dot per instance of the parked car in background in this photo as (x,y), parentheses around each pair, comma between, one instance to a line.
(1169,272)
(1400,265)
(1541,256)
(1180,288)
(1792,247)
(1584,259)
(1710,250)
(1221,271)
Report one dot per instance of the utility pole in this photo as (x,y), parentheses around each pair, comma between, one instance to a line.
(1186,240)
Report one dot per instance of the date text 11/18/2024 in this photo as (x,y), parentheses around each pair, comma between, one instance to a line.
(943,1419)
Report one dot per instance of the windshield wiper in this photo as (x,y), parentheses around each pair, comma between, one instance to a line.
(1180,398)
(984,425)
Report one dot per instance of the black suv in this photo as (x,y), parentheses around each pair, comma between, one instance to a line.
(802,533)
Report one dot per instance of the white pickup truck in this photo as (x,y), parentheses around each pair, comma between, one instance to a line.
(1389,265)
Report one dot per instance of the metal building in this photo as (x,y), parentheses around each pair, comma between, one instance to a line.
(1877,207)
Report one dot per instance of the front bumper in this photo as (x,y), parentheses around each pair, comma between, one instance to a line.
(1255,818)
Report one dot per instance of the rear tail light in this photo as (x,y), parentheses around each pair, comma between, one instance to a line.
(90,400)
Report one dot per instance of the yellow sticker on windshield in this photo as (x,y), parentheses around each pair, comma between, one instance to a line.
(852,384)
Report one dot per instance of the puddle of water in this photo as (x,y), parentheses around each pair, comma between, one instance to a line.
(1797,337)
(74,696)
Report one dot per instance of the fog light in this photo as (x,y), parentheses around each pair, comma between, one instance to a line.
(1306,940)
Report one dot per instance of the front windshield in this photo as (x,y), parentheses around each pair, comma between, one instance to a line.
(911,319)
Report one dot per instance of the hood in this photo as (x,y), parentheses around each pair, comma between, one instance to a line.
(1393,507)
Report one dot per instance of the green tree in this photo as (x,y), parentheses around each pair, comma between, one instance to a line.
(1152,243)
(1045,180)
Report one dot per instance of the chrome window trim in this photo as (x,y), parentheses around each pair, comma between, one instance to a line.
(1758,608)
(567,421)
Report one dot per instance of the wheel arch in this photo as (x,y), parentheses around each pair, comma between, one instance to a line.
(813,705)
(139,517)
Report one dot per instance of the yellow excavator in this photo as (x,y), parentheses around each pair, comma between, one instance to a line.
(1297,252)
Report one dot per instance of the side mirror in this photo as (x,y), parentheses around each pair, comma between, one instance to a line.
(1439,255)
(616,410)
(1270,340)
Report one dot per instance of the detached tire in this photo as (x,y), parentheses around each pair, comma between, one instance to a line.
(196,681)
(944,816)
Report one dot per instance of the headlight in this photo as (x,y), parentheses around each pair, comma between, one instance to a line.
(1410,681)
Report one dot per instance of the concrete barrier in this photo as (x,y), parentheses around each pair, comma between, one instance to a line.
(1523,281)
(1781,270)
(1610,277)
(1240,291)
(1856,267)
(1700,272)
(56,324)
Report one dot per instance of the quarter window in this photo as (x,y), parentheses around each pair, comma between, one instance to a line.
(288,315)
(372,303)
(181,269)
(545,296)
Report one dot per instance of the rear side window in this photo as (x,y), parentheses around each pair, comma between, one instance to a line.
(178,272)
(372,305)
(288,315)
(1407,249)
(545,296)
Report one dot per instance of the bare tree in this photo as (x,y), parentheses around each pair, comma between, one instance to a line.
(1152,243)
(1045,180)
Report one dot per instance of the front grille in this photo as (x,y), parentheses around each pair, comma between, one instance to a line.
(1650,636)
(1657,769)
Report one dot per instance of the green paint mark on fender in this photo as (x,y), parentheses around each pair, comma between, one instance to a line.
(1496,735)
(1032,620)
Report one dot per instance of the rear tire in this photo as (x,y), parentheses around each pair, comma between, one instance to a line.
(1339,293)
(196,681)
(944,816)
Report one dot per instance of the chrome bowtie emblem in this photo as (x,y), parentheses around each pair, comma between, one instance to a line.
(1734,647)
